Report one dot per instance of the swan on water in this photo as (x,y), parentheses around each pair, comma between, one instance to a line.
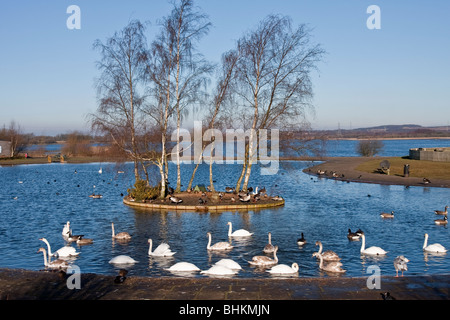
(122,259)
(183,267)
(433,248)
(327,255)
(333,266)
(163,250)
(65,251)
(237,233)
(229,264)
(219,246)
(219,270)
(55,264)
(120,235)
(284,269)
(269,248)
(372,251)
(264,260)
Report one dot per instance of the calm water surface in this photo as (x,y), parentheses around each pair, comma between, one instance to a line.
(37,200)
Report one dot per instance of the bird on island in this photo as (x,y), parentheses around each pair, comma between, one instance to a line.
(277,198)
(175,200)
(229,190)
(246,198)
(400,264)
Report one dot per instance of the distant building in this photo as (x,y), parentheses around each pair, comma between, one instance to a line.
(5,149)
(430,154)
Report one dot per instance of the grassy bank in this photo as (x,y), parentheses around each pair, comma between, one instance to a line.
(417,168)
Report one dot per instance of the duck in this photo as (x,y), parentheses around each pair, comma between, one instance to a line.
(400,264)
(387,215)
(372,251)
(65,251)
(426,181)
(120,235)
(333,266)
(219,246)
(268,248)
(122,259)
(441,222)
(175,199)
(433,248)
(354,235)
(229,190)
(84,241)
(163,250)
(245,198)
(442,213)
(284,269)
(327,255)
(264,260)
(219,270)
(229,264)
(238,233)
(55,264)
(183,267)
(301,241)
(277,198)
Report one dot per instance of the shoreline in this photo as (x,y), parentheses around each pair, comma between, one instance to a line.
(21,284)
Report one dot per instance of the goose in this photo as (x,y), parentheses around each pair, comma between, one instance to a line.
(434,248)
(245,198)
(400,264)
(55,264)
(441,221)
(84,241)
(67,234)
(426,181)
(284,269)
(238,233)
(268,248)
(327,255)
(163,250)
(229,190)
(219,270)
(444,213)
(65,251)
(175,200)
(373,251)
(332,266)
(229,264)
(354,235)
(387,215)
(183,267)
(122,259)
(120,235)
(219,246)
(264,260)
(301,241)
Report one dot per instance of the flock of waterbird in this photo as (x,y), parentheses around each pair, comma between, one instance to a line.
(329,261)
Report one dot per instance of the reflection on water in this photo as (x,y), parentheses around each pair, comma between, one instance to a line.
(52,194)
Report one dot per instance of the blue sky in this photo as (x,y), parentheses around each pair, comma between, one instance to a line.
(396,75)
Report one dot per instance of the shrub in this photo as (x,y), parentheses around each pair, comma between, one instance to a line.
(369,148)
(142,191)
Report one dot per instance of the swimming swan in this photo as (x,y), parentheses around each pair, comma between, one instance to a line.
(327,255)
(65,251)
(264,260)
(434,248)
(219,270)
(284,269)
(237,233)
(120,235)
(268,248)
(333,266)
(229,264)
(183,267)
(219,246)
(373,251)
(163,250)
(56,264)
(122,260)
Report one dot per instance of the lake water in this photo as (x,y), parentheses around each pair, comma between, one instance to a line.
(37,200)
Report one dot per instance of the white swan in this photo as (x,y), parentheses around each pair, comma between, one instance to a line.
(219,270)
(219,246)
(163,250)
(183,267)
(434,248)
(237,233)
(264,260)
(284,269)
(65,251)
(122,260)
(66,230)
(56,264)
(332,266)
(120,235)
(373,251)
(327,255)
(229,264)
(268,248)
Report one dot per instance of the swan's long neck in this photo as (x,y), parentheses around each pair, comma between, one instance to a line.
(45,258)
(320,247)
(150,246)
(425,242)
(270,238)
(48,246)
(275,258)
(321,261)
(209,241)
(363,244)
(230,229)
(112,227)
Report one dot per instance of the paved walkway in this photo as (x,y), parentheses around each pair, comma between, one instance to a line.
(38,285)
